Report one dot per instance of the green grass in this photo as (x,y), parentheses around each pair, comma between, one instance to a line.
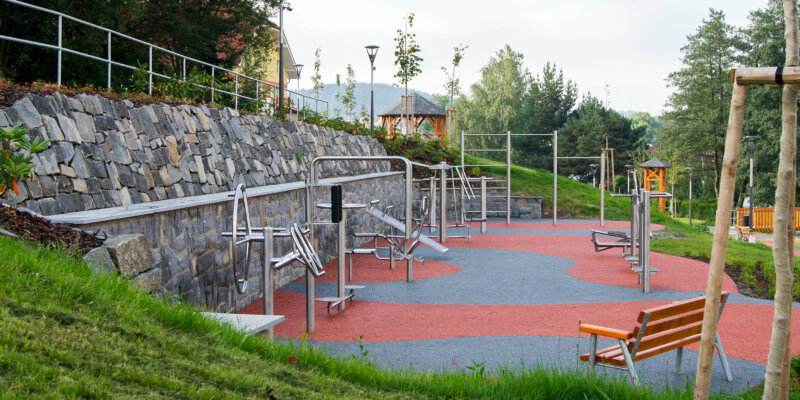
(575,199)
(752,261)
(67,333)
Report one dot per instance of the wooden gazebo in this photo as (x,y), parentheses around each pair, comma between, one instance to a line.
(655,171)
(417,110)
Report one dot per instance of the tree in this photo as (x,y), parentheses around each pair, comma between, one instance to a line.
(349,97)
(316,79)
(585,134)
(546,106)
(337,112)
(699,106)
(407,58)
(776,379)
(650,124)
(214,31)
(452,84)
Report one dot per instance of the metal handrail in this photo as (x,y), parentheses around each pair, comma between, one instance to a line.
(109,32)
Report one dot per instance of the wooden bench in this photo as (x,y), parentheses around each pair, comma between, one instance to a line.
(744,233)
(658,330)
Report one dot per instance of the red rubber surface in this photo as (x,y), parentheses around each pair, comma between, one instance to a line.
(744,328)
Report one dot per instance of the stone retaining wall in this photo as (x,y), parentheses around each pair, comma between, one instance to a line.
(192,259)
(108,153)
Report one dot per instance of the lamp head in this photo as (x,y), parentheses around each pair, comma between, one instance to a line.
(298,68)
(372,50)
(752,138)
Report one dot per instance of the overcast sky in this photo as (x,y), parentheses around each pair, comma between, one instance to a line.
(629,45)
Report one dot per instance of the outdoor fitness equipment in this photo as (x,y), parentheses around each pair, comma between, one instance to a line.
(460,194)
(244,235)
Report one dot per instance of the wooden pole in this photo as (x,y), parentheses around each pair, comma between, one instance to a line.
(719,248)
(776,378)
(765,75)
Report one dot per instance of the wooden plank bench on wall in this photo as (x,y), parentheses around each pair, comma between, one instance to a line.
(658,330)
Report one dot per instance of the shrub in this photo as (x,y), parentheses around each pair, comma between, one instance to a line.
(15,164)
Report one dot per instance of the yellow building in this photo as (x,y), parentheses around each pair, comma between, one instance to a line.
(264,66)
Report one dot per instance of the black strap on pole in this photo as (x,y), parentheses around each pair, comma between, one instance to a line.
(779,75)
(336,203)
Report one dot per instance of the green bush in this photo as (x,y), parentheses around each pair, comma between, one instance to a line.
(700,210)
(15,164)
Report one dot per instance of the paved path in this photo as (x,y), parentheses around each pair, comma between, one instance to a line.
(514,297)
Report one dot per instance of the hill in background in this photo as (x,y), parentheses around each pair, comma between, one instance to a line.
(386,95)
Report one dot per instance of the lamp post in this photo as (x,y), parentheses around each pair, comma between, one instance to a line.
(372,50)
(594,169)
(298,68)
(751,147)
(280,51)
(690,170)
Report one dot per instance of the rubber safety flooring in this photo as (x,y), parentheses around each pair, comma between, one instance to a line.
(513,297)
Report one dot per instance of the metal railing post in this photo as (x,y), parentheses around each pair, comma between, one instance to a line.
(183,69)
(212,84)
(108,72)
(150,70)
(432,227)
(266,266)
(236,91)
(60,35)
(483,204)
(555,178)
(258,105)
(462,149)
(508,177)
(443,205)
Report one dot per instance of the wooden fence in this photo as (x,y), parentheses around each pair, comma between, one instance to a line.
(763,218)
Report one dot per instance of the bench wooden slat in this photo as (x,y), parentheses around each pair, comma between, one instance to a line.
(603,331)
(651,341)
(670,323)
(616,358)
(669,310)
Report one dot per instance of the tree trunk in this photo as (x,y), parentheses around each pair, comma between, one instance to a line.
(784,214)
(716,270)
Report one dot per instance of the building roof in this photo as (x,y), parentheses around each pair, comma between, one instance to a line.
(422,107)
(655,162)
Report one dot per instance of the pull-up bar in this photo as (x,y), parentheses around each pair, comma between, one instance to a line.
(556,157)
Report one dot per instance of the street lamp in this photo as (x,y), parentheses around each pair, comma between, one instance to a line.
(690,170)
(751,147)
(298,68)
(372,50)
(594,169)
(280,52)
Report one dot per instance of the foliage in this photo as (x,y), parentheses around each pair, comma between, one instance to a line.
(214,31)
(452,85)
(337,112)
(316,79)
(407,58)
(696,123)
(586,133)
(16,152)
(349,96)
(415,148)
(196,88)
(651,125)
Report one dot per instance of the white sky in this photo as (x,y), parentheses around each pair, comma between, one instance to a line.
(630,45)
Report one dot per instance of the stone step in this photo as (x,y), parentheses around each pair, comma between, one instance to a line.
(248,323)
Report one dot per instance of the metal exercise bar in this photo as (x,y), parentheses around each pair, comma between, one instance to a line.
(556,157)
(409,192)
(60,49)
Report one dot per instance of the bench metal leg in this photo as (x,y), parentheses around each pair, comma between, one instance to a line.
(723,358)
(592,351)
(350,267)
(678,359)
(628,361)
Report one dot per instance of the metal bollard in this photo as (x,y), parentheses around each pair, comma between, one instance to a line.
(483,204)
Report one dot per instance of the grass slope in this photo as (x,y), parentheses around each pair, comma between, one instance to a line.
(69,334)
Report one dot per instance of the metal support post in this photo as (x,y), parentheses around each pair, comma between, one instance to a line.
(108,52)
(310,301)
(341,255)
(236,92)
(462,149)
(183,69)
(268,286)
(555,178)
(432,227)
(150,70)
(483,204)
(603,188)
(508,177)
(443,205)
(60,35)
(645,241)
(212,84)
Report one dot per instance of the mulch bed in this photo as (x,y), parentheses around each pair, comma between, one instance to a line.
(32,227)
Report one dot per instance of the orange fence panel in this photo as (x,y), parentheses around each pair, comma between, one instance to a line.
(763,218)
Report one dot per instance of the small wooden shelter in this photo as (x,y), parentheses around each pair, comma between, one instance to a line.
(417,111)
(655,171)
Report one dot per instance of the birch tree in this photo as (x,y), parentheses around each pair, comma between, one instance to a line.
(776,379)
